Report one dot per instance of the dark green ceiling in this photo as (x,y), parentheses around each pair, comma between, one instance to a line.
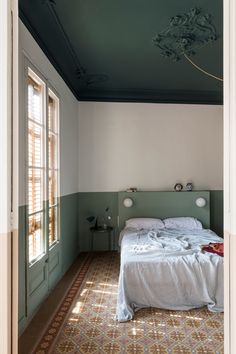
(104,49)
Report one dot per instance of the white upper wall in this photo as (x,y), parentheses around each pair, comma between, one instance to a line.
(112,146)
(68,114)
(149,146)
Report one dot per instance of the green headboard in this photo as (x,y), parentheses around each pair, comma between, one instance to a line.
(163,205)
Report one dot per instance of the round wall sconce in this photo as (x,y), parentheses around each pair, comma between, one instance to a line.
(128,202)
(200,202)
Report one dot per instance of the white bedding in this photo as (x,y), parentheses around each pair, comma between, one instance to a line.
(167,269)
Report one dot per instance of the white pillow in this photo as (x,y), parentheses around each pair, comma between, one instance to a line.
(182,223)
(145,223)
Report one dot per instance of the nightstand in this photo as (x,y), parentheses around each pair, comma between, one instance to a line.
(109,230)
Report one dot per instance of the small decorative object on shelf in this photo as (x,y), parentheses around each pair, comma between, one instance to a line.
(132,189)
(178,187)
(189,187)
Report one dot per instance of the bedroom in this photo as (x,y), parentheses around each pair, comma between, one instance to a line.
(111,142)
(106,147)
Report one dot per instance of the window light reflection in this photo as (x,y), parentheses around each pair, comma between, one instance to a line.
(95,305)
(104,292)
(136,331)
(83,292)
(105,284)
(158,324)
(77,308)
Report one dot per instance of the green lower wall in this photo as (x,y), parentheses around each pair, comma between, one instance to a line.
(69,229)
(75,233)
(69,247)
(94,203)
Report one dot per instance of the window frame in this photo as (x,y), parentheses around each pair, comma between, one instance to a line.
(55,95)
(30,68)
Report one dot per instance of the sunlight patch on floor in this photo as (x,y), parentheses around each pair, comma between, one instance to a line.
(77,308)
(105,284)
(90,325)
(194,318)
(84,291)
(176,316)
(103,306)
(104,292)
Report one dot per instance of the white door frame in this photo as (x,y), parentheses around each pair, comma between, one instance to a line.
(230,173)
(9,221)
(8,176)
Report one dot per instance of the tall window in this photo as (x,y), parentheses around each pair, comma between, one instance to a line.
(36,166)
(43,167)
(53,166)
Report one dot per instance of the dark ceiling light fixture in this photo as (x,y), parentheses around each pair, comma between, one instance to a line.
(84,78)
(185,34)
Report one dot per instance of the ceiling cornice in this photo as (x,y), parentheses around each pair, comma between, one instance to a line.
(153,96)
(81,73)
(46,51)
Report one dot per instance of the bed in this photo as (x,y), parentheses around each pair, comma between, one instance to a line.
(165,267)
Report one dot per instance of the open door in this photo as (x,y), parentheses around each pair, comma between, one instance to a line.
(8,176)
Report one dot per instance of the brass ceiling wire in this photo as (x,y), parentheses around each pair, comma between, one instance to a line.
(202,70)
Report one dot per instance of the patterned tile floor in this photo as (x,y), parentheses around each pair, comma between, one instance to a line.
(84,322)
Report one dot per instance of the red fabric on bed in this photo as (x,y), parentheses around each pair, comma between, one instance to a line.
(217,248)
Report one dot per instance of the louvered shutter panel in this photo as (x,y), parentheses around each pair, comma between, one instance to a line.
(53,166)
(35,167)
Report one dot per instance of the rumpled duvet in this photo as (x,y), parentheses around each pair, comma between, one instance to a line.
(167,269)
